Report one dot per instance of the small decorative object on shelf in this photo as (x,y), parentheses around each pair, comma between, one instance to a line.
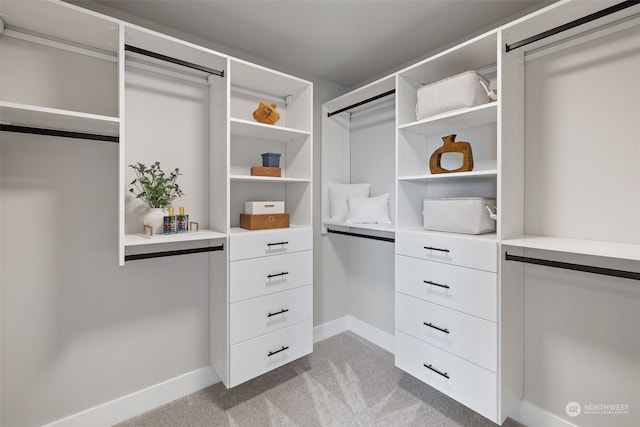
(266,113)
(170,223)
(266,171)
(181,221)
(264,221)
(158,190)
(271,160)
(452,146)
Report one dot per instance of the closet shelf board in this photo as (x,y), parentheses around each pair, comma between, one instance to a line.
(241,127)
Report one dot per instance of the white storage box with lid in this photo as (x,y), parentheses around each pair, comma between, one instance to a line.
(259,208)
(468,215)
(463,90)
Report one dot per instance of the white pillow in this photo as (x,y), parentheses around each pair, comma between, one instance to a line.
(368,210)
(338,198)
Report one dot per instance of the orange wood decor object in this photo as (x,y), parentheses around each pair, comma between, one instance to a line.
(451,146)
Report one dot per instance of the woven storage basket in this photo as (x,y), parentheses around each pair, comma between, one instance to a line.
(463,90)
(468,215)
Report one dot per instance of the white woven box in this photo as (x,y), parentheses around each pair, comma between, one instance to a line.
(257,208)
(463,90)
(468,215)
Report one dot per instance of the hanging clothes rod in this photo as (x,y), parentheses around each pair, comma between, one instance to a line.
(366,236)
(575,267)
(60,133)
(366,101)
(135,257)
(592,17)
(173,60)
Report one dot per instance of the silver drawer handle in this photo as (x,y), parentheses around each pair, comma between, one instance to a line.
(429,282)
(437,371)
(431,325)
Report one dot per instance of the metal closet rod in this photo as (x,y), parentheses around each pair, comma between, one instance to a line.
(166,58)
(366,236)
(575,267)
(592,17)
(366,101)
(135,257)
(57,132)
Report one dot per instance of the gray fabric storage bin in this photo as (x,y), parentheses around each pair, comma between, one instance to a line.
(468,215)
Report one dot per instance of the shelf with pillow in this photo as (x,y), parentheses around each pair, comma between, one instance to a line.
(358,168)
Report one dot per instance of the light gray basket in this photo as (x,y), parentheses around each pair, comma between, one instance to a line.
(463,90)
(468,215)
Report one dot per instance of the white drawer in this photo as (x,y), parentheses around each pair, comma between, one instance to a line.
(254,357)
(261,276)
(257,316)
(467,383)
(464,289)
(253,244)
(469,337)
(466,251)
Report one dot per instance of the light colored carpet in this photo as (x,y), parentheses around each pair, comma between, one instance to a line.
(346,381)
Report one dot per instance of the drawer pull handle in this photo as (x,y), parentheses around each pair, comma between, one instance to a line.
(271,353)
(437,371)
(284,273)
(429,282)
(284,310)
(436,249)
(431,325)
(277,244)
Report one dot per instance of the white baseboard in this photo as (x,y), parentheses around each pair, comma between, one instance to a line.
(533,416)
(130,405)
(329,329)
(357,326)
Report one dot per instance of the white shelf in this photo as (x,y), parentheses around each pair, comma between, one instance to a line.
(139,240)
(238,230)
(53,118)
(250,129)
(282,180)
(492,173)
(485,236)
(452,120)
(627,251)
(389,228)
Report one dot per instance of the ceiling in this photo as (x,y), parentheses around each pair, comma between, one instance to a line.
(345,42)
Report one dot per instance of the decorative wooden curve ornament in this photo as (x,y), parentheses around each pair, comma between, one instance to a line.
(451,146)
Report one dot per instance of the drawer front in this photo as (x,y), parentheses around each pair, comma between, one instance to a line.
(254,357)
(467,383)
(253,244)
(261,276)
(463,289)
(257,316)
(469,337)
(466,251)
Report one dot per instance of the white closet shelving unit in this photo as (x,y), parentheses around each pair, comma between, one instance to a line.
(435,307)
(49,37)
(187,107)
(262,309)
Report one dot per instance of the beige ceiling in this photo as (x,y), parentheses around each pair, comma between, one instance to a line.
(345,42)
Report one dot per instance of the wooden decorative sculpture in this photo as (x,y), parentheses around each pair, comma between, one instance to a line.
(266,113)
(451,146)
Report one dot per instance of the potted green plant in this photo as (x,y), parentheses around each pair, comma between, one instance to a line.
(157,189)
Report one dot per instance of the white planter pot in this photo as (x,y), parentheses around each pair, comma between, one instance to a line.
(155,219)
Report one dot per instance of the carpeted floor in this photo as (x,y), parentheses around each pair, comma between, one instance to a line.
(346,381)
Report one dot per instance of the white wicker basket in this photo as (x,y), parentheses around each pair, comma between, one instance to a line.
(468,215)
(463,90)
